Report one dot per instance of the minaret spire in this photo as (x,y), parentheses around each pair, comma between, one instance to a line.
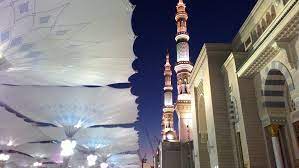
(168,132)
(181,19)
(183,70)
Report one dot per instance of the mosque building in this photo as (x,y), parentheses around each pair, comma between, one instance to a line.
(238,107)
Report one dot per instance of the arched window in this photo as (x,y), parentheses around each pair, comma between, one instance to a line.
(264,25)
(268,18)
(273,13)
(259,30)
(276,104)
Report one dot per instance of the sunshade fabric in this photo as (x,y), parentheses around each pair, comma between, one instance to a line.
(68,106)
(43,151)
(19,161)
(15,131)
(49,50)
(54,42)
(108,141)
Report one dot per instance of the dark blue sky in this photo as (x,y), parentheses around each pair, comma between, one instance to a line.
(154,24)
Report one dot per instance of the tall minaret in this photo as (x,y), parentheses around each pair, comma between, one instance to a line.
(168,132)
(183,70)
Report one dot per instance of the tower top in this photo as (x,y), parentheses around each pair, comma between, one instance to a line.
(168,132)
(181,18)
(167,58)
(167,71)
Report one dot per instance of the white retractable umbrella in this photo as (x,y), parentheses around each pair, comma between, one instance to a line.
(66,42)
(72,106)
(15,131)
(43,152)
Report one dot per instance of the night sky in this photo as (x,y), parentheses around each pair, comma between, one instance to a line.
(154,24)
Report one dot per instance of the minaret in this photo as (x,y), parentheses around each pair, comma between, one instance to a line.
(183,70)
(168,132)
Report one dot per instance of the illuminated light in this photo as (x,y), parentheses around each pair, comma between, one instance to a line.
(37,164)
(67,147)
(40,155)
(79,124)
(4,157)
(183,97)
(100,146)
(170,136)
(104,165)
(10,143)
(91,160)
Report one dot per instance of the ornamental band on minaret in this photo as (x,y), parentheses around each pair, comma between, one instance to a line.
(183,70)
(168,132)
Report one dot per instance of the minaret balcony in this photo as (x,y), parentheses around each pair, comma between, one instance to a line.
(181,15)
(183,67)
(184,98)
(182,35)
(168,109)
(168,88)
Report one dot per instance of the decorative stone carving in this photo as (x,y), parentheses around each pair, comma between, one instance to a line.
(291,47)
(274,130)
(276,2)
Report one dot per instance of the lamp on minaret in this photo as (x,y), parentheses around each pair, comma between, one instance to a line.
(168,132)
(183,70)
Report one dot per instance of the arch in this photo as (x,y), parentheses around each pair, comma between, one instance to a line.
(235,130)
(202,132)
(264,24)
(276,65)
(259,30)
(200,110)
(268,18)
(275,90)
(273,12)
(276,104)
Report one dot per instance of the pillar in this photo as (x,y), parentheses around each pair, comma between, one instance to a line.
(274,131)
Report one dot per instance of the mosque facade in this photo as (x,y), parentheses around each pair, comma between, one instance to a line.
(245,95)
(238,107)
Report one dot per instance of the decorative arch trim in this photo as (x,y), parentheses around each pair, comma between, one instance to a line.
(276,65)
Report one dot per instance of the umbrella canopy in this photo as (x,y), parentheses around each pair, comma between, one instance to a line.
(14,131)
(54,42)
(116,161)
(43,152)
(124,160)
(103,141)
(108,141)
(18,160)
(107,144)
(49,50)
(72,106)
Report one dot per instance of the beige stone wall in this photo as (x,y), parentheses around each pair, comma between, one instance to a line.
(208,71)
(250,128)
(200,128)
(243,77)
